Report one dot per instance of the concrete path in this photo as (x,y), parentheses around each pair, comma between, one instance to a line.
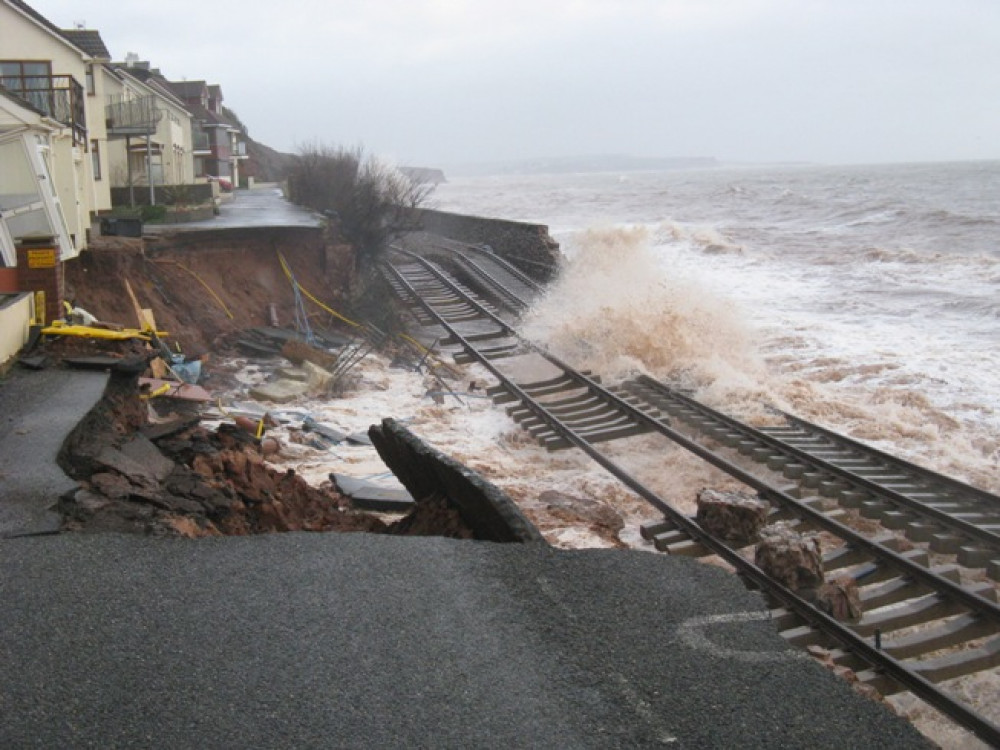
(364,641)
(263,205)
(38,410)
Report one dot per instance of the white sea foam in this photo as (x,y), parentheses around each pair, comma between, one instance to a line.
(864,298)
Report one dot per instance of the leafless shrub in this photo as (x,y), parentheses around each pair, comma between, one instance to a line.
(371,200)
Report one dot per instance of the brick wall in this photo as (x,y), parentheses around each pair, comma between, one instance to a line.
(39,269)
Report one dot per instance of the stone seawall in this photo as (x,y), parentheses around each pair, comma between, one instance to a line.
(527,246)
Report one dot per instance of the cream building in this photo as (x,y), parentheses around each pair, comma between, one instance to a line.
(28,204)
(149,129)
(56,73)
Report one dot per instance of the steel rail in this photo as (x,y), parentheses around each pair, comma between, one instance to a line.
(948,520)
(878,659)
(914,570)
(986,498)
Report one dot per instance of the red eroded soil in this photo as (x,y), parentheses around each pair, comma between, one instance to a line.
(202,286)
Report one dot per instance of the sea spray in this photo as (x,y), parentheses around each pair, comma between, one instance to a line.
(615,310)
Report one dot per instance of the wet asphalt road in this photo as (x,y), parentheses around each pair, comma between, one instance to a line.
(262,206)
(367,641)
(37,411)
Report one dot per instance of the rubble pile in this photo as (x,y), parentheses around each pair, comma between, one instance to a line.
(796,560)
(189,481)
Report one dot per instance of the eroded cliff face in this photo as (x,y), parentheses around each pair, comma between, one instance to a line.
(202,286)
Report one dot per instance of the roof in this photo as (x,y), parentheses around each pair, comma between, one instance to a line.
(27,10)
(191,91)
(188,89)
(89,41)
(152,78)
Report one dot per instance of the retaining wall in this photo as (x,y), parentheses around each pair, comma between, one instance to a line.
(527,246)
(165,194)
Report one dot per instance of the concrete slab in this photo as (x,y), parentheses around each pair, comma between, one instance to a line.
(369,496)
(279,391)
(367,641)
(38,410)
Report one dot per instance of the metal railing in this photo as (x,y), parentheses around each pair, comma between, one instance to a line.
(57,96)
(139,114)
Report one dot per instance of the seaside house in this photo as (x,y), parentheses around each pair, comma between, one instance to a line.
(150,130)
(54,72)
(218,148)
(29,207)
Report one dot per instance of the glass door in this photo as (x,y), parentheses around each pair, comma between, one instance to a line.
(29,206)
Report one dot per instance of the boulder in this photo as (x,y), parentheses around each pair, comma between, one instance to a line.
(840,599)
(734,517)
(601,518)
(792,558)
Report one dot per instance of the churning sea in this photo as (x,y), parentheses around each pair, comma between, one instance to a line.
(865,298)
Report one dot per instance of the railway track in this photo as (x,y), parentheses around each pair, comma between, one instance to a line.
(925,619)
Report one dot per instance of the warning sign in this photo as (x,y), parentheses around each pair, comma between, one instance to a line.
(42,258)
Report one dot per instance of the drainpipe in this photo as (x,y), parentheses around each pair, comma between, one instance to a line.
(149,167)
(128,168)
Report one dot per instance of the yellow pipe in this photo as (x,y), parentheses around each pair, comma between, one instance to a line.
(98,333)
(202,282)
(334,313)
(158,392)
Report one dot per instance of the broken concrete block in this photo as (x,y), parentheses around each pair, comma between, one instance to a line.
(330,433)
(279,391)
(369,496)
(141,450)
(318,377)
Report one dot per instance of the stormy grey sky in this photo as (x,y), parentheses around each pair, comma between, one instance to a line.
(440,82)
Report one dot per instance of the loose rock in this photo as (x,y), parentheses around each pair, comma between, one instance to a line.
(734,517)
(840,599)
(792,558)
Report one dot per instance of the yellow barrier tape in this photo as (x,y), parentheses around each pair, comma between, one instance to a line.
(334,313)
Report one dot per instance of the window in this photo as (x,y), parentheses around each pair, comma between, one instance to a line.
(25,75)
(31,80)
(91,89)
(95,158)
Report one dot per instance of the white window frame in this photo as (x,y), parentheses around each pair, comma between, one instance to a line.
(35,146)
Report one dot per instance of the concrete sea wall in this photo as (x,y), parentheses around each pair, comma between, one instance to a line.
(527,246)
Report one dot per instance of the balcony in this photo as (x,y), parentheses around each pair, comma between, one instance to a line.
(137,116)
(57,96)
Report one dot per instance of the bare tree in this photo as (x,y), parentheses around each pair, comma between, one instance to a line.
(371,200)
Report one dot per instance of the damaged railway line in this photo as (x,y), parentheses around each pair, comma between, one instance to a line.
(923,619)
